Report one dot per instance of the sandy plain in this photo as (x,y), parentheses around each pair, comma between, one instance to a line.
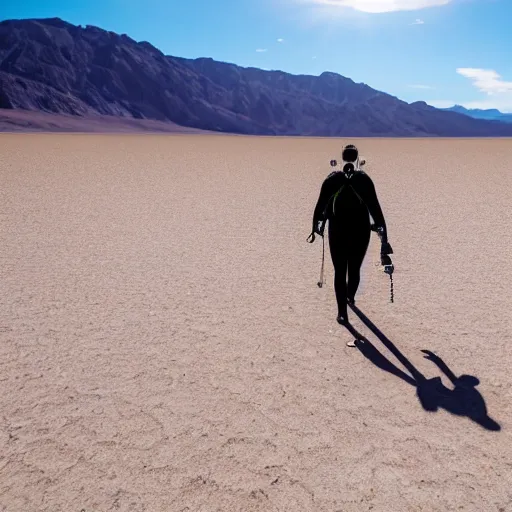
(165,347)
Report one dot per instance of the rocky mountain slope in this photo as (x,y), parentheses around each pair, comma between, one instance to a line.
(53,66)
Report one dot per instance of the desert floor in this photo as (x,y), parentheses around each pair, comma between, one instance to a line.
(165,347)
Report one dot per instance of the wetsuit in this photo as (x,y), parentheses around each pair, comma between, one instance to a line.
(347,201)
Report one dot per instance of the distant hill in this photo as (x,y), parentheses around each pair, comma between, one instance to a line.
(476,113)
(18,120)
(50,65)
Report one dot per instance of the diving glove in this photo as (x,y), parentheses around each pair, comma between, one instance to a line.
(386,262)
(319,227)
(386,248)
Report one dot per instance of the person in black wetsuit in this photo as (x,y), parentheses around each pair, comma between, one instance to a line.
(347,199)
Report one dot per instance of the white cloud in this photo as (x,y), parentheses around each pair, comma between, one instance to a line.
(498,91)
(417,21)
(486,80)
(280,40)
(261,50)
(314,57)
(379,6)
(420,86)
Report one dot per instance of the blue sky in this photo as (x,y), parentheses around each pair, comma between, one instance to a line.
(440,51)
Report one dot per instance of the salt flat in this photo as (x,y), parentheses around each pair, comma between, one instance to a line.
(164,346)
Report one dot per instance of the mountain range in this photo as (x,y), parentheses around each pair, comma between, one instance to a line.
(491,114)
(49,65)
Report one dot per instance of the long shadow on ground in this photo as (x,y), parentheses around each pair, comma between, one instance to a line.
(463,400)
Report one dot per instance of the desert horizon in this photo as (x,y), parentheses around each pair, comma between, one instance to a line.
(165,346)
(28,122)
(95,72)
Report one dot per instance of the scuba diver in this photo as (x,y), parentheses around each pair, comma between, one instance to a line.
(348,199)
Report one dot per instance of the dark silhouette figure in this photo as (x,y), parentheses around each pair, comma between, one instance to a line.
(463,400)
(347,200)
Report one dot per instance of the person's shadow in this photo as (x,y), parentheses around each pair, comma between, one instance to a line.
(463,400)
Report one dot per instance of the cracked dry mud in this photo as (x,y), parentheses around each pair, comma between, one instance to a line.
(164,346)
